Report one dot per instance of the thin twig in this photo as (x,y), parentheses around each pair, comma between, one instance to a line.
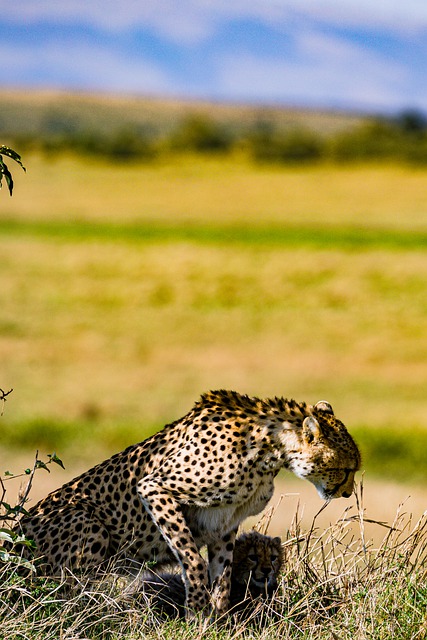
(3,398)
(24,496)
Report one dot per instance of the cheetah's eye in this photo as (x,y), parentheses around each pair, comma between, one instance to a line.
(273,557)
(253,557)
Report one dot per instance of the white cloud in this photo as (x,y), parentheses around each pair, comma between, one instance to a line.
(81,64)
(324,71)
(389,15)
(185,22)
(193,20)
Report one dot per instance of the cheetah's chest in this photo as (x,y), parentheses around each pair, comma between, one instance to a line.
(223,518)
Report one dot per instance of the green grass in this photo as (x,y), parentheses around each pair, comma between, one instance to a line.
(344,238)
(390,454)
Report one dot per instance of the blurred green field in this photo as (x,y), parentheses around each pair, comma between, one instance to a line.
(129,290)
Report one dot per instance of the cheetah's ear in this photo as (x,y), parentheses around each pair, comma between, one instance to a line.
(310,429)
(324,406)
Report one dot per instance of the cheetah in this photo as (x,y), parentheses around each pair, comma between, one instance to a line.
(191,485)
(257,562)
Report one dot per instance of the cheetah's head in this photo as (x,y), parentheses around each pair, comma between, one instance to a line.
(326,454)
(257,561)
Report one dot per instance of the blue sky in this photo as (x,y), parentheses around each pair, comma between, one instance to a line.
(356,54)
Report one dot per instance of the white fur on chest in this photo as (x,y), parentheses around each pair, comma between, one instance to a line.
(222,519)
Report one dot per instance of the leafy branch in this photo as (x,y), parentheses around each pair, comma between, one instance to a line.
(9,514)
(23,498)
(4,171)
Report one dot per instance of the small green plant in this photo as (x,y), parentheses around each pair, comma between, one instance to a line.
(10,513)
(4,171)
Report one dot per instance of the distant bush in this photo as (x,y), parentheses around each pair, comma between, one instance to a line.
(294,146)
(412,122)
(399,138)
(416,152)
(201,134)
(373,140)
(123,145)
(413,126)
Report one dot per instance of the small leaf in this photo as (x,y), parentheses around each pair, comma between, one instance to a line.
(4,171)
(10,557)
(5,535)
(54,458)
(42,465)
(7,151)
(14,510)
(27,472)
(8,473)
(21,539)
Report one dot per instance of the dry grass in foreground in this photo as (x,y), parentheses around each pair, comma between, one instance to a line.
(335,585)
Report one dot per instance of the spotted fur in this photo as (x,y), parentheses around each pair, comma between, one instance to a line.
(191,485)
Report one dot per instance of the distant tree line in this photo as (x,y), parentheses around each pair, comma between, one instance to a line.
(403,138)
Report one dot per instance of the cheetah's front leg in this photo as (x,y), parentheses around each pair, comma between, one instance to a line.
(220,556)
(167,514)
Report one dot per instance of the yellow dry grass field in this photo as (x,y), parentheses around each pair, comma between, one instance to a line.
(106,334)
(136,333)
(226,190)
